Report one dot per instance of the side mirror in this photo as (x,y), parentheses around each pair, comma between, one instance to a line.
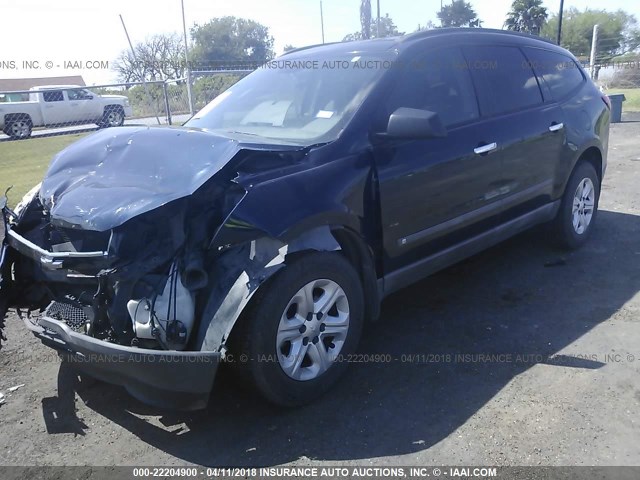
(411,123)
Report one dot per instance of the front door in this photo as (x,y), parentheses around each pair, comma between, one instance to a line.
(84,107)
(434,190)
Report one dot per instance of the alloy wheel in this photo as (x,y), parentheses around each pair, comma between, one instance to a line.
(312,330)
(114,118)
(583,206)
(19,129)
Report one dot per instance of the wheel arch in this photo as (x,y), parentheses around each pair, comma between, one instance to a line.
(112,106)
(592,155)
(242,269)
(17,116)
(344,227)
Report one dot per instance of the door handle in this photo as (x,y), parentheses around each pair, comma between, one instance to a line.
(485,148)
(556,126)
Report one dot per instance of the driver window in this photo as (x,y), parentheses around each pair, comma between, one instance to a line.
(79,94)
(438,81)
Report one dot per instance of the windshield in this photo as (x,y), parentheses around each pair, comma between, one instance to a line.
(302,101)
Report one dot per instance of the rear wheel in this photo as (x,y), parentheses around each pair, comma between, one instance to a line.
(579,207)
(19,127)
(291,342)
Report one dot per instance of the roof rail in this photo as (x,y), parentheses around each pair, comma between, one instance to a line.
(300,49)
(440,31)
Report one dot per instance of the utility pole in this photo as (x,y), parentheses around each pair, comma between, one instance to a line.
(594,49)
(560,22)
(141,72)
(186,60)
(378,23)
(322,21)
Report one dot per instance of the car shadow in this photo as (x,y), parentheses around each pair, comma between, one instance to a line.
(449,336)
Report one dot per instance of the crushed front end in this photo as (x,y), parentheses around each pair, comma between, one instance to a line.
(120,304)
(110,260)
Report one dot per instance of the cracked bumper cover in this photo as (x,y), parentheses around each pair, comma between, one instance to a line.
(166,379)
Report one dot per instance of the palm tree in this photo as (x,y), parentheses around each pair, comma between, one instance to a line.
(526,16)
(365,18)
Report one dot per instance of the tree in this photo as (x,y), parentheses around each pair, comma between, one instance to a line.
(527,16)
(159,57)
(288,47)
(427,26)
(626,77)
(365,19)
(459,14)
(618,32)
(231,40)
(387,29)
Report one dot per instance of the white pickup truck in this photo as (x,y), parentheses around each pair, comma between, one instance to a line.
(61,105)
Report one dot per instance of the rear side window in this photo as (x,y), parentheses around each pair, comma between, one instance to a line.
(561,74)
(435,81)
(52,96)
(504,79)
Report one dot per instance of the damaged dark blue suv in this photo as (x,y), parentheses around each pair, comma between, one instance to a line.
(268,229)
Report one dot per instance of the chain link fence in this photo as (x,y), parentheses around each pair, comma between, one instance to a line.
(61,109)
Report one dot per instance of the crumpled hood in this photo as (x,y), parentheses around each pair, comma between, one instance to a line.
(107,178)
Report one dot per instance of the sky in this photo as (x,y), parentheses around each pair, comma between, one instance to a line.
(70,33)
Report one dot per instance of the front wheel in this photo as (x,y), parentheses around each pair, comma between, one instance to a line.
(577,214)
(293,341)
(113,117)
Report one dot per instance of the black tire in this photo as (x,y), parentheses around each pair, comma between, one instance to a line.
(253,341)
(19,128)
(108,119)
(565,234)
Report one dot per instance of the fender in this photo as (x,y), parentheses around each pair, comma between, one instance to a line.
(285,207)
(564,171)
(239,272)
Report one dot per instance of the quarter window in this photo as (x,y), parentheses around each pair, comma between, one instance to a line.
(504,79)
(560,73)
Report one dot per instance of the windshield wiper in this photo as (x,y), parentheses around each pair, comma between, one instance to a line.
(244,133)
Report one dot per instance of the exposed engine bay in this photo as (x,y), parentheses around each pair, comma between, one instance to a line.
(141,248)
(92,248)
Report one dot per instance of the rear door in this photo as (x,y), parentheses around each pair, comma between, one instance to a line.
(55,109)
(526,125)
(432,192)
(564,80)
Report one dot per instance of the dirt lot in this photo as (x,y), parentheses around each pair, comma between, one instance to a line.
(562,387)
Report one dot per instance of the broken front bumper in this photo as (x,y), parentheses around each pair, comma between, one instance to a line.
(162,378)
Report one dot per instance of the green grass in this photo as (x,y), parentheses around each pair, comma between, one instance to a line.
(23,163)
(632,95)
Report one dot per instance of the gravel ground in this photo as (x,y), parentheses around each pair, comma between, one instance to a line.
(561,388)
